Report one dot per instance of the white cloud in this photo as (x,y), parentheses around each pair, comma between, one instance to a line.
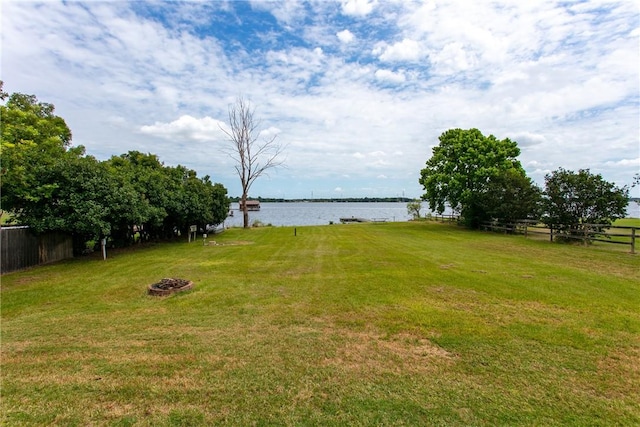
(452,58)
(391,76)
(406,50)
(345,36)
(187,127)
(269,133)
(527,139)
(287,12)
(624,162)
(561,79)
(357,7)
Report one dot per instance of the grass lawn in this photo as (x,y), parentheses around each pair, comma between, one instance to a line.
(368,324)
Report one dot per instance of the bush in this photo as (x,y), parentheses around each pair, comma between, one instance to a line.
(575,202)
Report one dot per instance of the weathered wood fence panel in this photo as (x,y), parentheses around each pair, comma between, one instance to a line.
(21,249)
(55,247)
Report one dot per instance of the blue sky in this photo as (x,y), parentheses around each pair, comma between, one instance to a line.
(357,90)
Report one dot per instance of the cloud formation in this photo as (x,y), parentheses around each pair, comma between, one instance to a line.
(187,127)
(345,36)
(341,84)
(357,7)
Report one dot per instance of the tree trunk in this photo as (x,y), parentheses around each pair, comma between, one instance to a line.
(245,212)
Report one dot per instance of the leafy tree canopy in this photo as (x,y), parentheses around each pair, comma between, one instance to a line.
(462,170)
(572,200)
(33,139)
(512,196)
(49,185)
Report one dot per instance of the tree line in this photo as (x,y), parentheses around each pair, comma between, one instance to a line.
(49,185)
(328,200)
(480,178)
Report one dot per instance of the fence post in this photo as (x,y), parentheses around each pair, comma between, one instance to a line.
(633,240)
(526,224)
(551,231)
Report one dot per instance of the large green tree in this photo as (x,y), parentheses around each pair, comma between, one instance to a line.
(573,201)
(33,139)
(193,200)
(462,169)
(147,175)
(50,186)
(171,198)
(511,196)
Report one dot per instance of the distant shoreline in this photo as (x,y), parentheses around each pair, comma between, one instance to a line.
(329,200)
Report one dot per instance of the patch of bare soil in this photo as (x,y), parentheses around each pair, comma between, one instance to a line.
(366,351)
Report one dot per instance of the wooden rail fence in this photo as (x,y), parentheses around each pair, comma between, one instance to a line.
(615,234)
(20,248)
(443,218)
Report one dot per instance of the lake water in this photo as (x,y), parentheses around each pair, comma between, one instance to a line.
(320,213)
(317,213)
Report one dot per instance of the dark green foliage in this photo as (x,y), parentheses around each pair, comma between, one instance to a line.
(171,198)
(50,186)
(465,170)
(81,194)
(572,201)
(33,140)
(511,196)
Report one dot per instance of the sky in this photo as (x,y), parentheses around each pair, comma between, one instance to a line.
(356,91)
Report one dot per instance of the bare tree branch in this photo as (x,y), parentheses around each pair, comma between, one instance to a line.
(252,156)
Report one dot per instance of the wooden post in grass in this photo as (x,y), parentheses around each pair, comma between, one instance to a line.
(551,231)
(633,240)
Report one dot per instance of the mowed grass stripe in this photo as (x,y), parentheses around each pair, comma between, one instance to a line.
(360,324)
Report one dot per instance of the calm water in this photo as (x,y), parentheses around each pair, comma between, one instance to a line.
(316,213)
(281,214)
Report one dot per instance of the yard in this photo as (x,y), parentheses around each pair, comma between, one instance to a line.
(361,324)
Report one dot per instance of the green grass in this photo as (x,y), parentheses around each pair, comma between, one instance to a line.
(628,222)
(372,324)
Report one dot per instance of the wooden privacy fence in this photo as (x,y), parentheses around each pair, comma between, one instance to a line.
(21,249)
(615,234)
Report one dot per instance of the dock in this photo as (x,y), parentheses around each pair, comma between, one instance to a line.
(353,219)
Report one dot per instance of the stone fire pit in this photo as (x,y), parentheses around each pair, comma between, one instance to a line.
(169,286)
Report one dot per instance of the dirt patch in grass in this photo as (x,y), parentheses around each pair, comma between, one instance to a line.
(369,351)
(624,366)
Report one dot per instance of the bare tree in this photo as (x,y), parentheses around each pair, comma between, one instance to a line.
(253,156)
